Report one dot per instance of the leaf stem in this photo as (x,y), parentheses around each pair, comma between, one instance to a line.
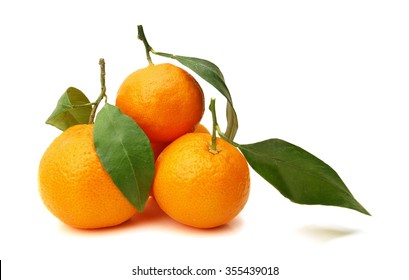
(102,95)
(148,48)
(213,148)
(212,107)
(227,139)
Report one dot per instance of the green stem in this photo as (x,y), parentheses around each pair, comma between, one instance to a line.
(212,107)
(148,48)
(216,129)
(227,139)
(213,148)
(102,95)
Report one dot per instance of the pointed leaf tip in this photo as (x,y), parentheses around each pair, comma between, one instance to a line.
(299,175)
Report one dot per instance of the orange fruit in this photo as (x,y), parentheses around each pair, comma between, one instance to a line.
(200,128)
(165,101)
(198,188)
(157,148)
(75,187)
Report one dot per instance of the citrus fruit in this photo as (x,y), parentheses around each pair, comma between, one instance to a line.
(165,101)
(75,187)
(158,147)
(200,128)
(198,188)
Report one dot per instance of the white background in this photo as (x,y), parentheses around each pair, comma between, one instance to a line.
(329,76)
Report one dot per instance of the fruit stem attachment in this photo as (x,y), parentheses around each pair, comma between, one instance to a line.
(213,148)
(148,48)
(102,95)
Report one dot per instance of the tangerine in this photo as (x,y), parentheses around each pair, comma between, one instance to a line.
(200,128)
(165,101)
(197,187)
(75,187)
(158,147)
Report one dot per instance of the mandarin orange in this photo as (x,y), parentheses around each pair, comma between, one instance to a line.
(75,187)
(165,101)
(197,187)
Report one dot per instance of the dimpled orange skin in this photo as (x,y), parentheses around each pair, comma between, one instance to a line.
(74,185)
(165,101)
(199,188)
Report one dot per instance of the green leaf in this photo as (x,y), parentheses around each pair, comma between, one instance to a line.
(211,73)
(72,108)
(299,175)
(126,154)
